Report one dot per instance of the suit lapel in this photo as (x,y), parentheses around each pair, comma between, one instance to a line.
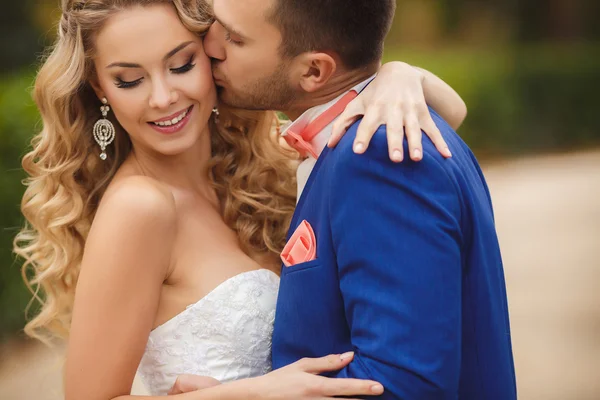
(309,183)
(307,189)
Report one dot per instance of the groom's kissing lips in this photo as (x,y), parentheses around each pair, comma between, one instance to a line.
(217,80)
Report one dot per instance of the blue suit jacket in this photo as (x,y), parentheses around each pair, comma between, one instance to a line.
(408,274)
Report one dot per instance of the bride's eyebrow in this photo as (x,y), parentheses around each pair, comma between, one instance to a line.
(165,58)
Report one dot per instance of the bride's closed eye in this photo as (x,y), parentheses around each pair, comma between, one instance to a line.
(185,68)
(123,84)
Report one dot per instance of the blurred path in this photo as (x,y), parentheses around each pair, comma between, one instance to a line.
(548,219)
(30,372)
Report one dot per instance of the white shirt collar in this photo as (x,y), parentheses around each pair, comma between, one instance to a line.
(320,141)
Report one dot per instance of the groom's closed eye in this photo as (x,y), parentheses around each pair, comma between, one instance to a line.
(231,35)
(232,38)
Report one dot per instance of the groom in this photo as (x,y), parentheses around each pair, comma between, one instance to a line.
(399,263)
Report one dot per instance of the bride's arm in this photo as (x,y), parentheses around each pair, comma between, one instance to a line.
(126,259)
(443,99)
(299,381)
(398,97)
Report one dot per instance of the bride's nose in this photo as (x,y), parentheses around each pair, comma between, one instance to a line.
(163,95)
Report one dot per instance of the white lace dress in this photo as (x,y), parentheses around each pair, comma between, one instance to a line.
(225,335)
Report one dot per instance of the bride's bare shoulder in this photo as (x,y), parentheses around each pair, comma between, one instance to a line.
(136,221)
(138,196)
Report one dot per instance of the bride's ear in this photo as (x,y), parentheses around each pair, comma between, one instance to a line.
(97,89)
(315,70)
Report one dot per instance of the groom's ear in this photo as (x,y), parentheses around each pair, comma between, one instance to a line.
(315,70)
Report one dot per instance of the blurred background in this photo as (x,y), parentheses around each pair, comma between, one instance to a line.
(529,71)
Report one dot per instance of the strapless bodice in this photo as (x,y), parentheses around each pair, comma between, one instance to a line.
(225,335)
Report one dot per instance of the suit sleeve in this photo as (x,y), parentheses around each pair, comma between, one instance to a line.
(396,233)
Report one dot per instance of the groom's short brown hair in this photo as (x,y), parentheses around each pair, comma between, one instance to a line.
(353,29)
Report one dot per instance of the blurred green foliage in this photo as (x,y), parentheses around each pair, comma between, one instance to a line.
(18,120)
(521,99)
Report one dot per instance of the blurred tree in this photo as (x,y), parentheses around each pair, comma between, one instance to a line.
(19,36)
(558,20)
(18,117)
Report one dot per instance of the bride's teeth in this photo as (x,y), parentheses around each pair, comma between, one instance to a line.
(173,121)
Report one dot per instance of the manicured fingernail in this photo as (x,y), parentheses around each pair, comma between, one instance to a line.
(347,355)
(448,152)
(330,142)
(359,147)
(397,155)
(377,389)
(417,153)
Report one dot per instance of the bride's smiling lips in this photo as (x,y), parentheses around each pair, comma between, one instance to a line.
(173,123)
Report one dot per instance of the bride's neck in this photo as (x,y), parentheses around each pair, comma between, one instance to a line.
(187,170)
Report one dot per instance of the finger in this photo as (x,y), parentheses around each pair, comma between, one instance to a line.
(431,130)
(395,138)
(414,137)
(333,387)
(332,362)
(176,388)
(354,110)
(367,128)
(191,383)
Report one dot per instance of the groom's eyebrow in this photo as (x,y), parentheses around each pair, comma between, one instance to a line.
(230,29)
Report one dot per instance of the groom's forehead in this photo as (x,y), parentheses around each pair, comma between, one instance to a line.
(246,14)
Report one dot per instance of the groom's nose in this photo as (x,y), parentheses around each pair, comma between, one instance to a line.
(213,47)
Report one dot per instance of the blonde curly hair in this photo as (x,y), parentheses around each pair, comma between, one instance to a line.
(254,178)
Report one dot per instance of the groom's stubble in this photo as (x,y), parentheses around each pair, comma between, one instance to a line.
(273,92)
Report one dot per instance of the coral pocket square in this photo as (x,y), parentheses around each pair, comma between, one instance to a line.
(302,246)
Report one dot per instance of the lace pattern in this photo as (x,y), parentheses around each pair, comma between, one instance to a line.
(225,335)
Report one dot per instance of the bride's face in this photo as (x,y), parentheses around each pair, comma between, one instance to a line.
(156,77)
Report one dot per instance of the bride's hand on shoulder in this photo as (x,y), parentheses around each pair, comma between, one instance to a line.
(398,97)
(299,380)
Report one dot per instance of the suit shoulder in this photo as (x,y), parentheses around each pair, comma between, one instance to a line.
(379,143)
(433,174)
(378,151)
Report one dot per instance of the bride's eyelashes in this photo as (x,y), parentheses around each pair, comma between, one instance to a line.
(185,68)
(122,84)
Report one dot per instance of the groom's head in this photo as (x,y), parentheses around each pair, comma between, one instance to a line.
(268,54)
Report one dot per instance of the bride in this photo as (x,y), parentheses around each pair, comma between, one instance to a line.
(155,220)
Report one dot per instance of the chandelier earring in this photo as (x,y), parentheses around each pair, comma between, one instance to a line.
(104,130)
